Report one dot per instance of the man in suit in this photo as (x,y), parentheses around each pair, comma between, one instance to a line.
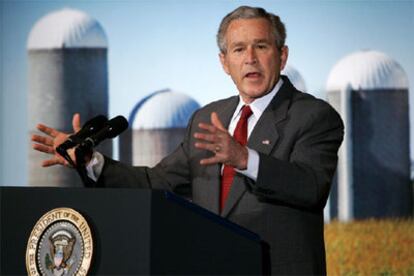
(263,159)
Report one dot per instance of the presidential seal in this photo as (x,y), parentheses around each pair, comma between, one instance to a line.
(60,244)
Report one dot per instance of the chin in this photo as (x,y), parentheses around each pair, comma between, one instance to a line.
(256,93)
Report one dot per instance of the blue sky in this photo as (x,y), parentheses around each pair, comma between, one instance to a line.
(171,44)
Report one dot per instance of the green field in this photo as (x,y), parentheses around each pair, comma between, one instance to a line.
(370,247)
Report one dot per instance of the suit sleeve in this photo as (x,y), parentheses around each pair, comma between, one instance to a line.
(172,173)
(304,179)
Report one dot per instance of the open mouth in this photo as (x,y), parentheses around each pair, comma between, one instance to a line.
(253,75)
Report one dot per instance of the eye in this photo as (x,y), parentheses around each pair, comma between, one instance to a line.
(261,46)
(238,49)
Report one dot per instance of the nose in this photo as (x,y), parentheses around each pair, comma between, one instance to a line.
(251,57)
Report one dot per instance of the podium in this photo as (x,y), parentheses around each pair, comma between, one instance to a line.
(135,232)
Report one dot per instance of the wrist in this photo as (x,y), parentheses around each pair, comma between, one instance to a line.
(244,156)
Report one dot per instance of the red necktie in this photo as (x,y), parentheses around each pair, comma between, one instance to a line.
(240,135)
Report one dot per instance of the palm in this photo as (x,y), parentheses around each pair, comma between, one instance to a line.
(51,140)
(58,140)
(218,140)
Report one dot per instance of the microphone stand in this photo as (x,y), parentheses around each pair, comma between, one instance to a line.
(66,155)
(79,166)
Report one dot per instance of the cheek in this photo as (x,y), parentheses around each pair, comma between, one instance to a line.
(235,71)
(273,66)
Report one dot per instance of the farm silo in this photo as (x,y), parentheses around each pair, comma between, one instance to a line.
(68,73)
(295,77)
(370,91)
(158,123)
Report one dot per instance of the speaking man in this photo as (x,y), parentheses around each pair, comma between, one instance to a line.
(263,159)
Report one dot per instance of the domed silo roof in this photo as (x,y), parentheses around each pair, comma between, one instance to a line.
(367,70)
(163,109)
(67,28)
(295,77)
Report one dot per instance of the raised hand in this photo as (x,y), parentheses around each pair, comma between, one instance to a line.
(218,140)
(53,138)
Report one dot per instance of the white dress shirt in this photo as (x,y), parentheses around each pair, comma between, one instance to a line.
(95,166)
(258,106)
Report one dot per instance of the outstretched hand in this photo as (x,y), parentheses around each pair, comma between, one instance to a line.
(218,140)
(51,140)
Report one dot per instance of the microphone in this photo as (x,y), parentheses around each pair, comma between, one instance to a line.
(89,128)
(111,129)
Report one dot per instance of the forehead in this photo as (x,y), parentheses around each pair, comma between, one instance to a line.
(245,30)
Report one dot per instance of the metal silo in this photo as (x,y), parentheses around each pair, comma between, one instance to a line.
(68,73)
(295,77)
(158,124)
(370,91)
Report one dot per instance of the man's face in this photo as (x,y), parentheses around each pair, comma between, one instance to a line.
(252,59)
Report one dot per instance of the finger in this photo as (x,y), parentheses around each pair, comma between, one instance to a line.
(210,161)
(215,120)
(43,148)
(47,130)
(42,140)
(205,146)
(208,127)
(76,124)
(206,137)
(52,162)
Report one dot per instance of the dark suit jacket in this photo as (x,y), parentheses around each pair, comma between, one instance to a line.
(297,138)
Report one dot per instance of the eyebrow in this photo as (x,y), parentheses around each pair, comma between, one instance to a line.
(235,44)
(256,41)
(262,41)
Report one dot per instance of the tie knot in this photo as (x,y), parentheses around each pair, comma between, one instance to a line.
(246,112)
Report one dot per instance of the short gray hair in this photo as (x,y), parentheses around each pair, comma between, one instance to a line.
(246,12)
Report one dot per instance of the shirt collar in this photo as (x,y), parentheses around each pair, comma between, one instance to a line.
(259,105)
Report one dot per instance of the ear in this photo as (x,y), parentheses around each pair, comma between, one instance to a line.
(224,63)
(284,57)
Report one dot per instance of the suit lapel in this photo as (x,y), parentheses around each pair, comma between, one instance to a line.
(263,138)
(225,111)
(266,133)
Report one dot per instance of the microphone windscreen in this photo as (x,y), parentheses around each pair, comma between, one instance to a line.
(91,126)
(117,126)
(98,120)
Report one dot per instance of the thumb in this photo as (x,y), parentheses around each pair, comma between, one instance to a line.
(76,122)
(216,121)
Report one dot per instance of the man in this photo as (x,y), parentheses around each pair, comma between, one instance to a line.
(276,183)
